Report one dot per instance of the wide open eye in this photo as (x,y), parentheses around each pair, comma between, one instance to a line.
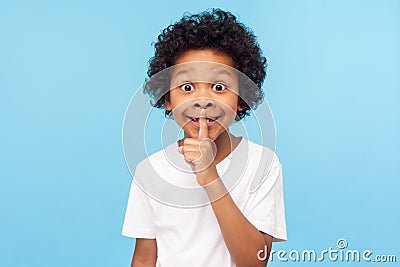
(219,87)
(187,87)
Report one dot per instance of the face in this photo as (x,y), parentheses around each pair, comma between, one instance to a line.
(210,85)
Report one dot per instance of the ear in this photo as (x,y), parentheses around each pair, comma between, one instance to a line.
(239,107)
(240,101)
(167,102)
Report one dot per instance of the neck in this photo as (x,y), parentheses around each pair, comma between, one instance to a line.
(226,143)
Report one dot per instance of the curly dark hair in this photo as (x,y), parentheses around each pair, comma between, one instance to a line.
(221,32)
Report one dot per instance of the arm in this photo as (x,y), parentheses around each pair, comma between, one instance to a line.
(243,240)
(145,254)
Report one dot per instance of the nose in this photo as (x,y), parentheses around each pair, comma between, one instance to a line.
(203,103)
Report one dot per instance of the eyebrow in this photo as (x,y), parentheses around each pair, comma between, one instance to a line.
(185,71)
(224,72)
(180,72)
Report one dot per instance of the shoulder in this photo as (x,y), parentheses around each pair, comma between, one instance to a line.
(158,160)
(264,166)
(257,152)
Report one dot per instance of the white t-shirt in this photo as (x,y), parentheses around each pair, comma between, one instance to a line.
(184,225)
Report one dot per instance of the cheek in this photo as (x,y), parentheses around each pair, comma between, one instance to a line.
(179,108)
(231,107)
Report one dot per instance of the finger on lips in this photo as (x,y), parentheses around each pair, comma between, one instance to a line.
(203,131)
(192,144)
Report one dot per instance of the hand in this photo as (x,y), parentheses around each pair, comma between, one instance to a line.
(200,152)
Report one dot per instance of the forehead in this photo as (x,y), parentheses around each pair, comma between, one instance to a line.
(208,55)
(203,71)
(203,65)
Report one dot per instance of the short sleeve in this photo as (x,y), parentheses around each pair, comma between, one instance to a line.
(139,215)
(266,210)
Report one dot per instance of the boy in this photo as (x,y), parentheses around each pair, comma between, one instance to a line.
(236,226)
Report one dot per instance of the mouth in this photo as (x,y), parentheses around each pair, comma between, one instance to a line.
(210,120)
(196,119)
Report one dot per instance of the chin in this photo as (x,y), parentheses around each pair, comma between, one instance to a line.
(215,135)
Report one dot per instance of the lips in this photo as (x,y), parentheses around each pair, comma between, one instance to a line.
(195,121)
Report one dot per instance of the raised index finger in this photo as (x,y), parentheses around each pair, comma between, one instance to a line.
(203,131)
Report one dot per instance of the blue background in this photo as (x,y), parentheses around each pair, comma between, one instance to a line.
(69,68)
